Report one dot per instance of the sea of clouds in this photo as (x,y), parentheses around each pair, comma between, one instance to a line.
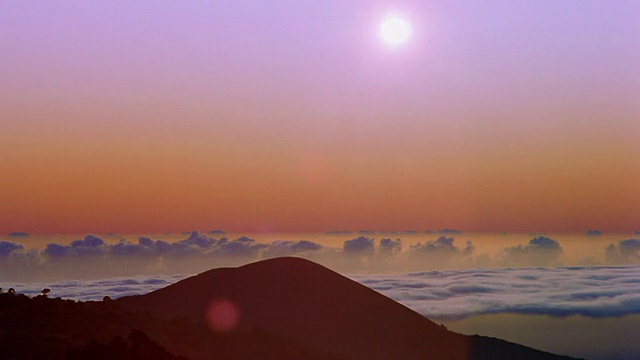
(588,291)
(453,294)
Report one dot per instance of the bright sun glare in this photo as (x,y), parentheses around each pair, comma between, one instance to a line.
(395,30)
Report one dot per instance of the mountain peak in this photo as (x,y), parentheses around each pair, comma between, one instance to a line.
(298,299)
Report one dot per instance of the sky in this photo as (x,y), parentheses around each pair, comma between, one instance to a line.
(294,116)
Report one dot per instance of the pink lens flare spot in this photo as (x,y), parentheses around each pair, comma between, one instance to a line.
(223,315)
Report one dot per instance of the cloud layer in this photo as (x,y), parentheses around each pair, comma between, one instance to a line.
(197,252)
(588,291)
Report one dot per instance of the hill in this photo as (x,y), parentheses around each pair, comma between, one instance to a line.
(308,304)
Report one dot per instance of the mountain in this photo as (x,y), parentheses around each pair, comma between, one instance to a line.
(317,308)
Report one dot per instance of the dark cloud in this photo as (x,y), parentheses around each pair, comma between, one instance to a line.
(194,244)
(541,251)
(390,247)
(89,246)
(594,232)
(199,240)
(125,248)
(240,247)
(627,251)
(338,232)
(89,241)
(7,247)
(442,245)
(359,245)
(450,231)
(288,248)
(18,234)
(197,252)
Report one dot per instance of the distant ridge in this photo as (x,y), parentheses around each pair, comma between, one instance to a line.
(300,300)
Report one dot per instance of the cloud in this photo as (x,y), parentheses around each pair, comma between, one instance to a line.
(19,234)
(438,253)
(627,251)
(358,246)
(594,232)
(452,294)
(390,247)
(7,247)
(125,248)
(450,231)
(288,248)
(442,245)
(199,240)
(588,291)
(93,246)
(93,290)
(89,246)
(197,252)
(541,251)
(338,232)
(240,247)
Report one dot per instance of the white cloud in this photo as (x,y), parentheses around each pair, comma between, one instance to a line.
(87,290)
(588,291)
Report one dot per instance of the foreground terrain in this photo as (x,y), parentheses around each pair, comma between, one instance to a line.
(285,308)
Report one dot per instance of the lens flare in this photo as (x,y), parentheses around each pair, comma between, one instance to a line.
(223,315)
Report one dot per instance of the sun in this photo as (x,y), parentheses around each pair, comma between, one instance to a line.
(395,30)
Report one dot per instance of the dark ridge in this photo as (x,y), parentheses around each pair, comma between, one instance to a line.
(304,302)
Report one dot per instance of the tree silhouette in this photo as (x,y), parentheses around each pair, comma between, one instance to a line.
(137,346)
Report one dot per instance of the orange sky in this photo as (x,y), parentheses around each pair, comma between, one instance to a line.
(122,124)
(150,181)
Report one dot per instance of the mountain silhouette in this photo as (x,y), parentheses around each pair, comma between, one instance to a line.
(308,304)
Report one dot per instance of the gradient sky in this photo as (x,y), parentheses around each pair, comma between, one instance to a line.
(154,116)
